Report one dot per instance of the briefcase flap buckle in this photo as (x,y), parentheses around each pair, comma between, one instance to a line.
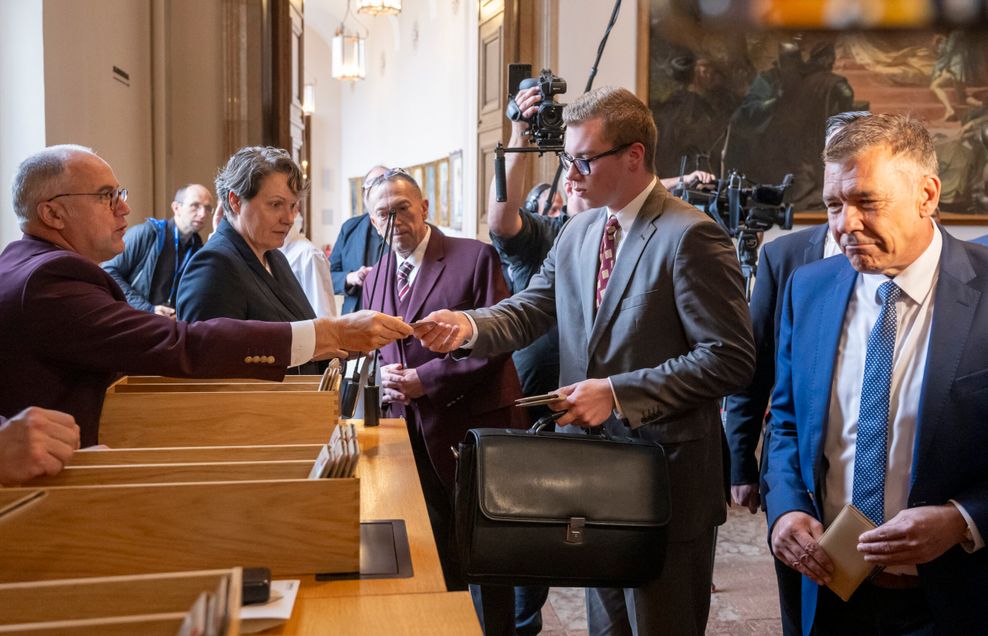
(574,530)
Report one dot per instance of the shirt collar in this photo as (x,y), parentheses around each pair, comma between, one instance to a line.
(418,254)
(626,216)
(830,246)
(916,280)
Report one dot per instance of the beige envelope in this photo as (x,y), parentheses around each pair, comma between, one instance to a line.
(840,542)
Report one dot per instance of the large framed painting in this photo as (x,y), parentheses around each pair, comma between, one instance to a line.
(755,101)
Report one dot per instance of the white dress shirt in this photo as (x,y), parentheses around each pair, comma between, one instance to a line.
(830,246)
(311,269)
(416,257)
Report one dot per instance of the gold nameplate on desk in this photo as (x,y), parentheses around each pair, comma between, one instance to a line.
(840,542)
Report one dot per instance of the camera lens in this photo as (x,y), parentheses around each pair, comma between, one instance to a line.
(550,116)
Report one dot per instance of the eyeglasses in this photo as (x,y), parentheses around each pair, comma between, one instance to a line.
(195,207)
(112,197)
(583,165)
(387,176)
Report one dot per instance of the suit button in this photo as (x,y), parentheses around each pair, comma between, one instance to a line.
(255,359)
(247,360)
(270,359)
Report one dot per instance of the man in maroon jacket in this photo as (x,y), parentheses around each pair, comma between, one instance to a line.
(441,399)
(67,332)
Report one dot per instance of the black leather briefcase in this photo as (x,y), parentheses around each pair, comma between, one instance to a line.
(535,507)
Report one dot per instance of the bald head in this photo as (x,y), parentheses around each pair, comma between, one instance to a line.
(369,178)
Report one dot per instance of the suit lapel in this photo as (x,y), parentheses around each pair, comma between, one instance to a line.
(830,316)
(955,303)
(286,287)
(428,275)
(632,247)
(814,251)
(268,284)
(587,267)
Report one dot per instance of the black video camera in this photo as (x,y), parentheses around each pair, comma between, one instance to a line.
(740,206)
(546,125)
(745,210)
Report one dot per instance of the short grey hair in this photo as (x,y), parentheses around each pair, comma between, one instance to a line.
(838,121)
(35,177)
(392,175)
(245,170)
(903,135)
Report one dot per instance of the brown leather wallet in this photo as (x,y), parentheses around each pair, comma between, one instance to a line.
(888,581)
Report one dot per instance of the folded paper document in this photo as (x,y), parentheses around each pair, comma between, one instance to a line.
(257,618)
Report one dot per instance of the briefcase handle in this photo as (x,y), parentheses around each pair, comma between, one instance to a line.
(550,421)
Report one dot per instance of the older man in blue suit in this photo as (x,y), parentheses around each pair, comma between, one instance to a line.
(879,397)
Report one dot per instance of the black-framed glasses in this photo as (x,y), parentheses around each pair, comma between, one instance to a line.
(112,197)
(583,165)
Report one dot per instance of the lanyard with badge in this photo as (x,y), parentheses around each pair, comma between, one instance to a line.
(179,268)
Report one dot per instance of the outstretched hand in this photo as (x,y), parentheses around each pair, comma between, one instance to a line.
(443,331)
(361,331)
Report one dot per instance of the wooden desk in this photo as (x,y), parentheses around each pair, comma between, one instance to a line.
(389,489)
(437,614)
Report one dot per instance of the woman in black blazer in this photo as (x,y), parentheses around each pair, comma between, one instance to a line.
(240,273)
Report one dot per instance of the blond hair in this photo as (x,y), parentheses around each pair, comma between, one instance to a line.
(625,118)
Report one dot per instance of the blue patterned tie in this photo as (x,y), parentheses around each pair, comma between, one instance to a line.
(871,451)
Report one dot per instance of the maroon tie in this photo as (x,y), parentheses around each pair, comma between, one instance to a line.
(403,285)
(606,260)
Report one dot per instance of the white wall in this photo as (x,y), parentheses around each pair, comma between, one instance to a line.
(329,202)
(22,107)
(84,104)
(416,105)
(581,26)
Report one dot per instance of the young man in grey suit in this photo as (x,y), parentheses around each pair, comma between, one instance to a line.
(654,330)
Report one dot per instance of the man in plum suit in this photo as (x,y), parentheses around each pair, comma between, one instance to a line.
(441,399)
(67,331)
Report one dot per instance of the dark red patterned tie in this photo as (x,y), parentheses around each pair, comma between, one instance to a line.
(403,286)
(606,260)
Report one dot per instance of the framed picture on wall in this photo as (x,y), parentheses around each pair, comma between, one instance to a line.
(442,192)
(429,192)
(356,196)
(418,173)
(756,101)
(456,190)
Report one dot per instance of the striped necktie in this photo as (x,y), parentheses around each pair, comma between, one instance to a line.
(403,285)
(608,243)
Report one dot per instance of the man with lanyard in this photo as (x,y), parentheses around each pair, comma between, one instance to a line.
(157,251)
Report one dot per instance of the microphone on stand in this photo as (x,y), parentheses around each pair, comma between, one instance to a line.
(372,392)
